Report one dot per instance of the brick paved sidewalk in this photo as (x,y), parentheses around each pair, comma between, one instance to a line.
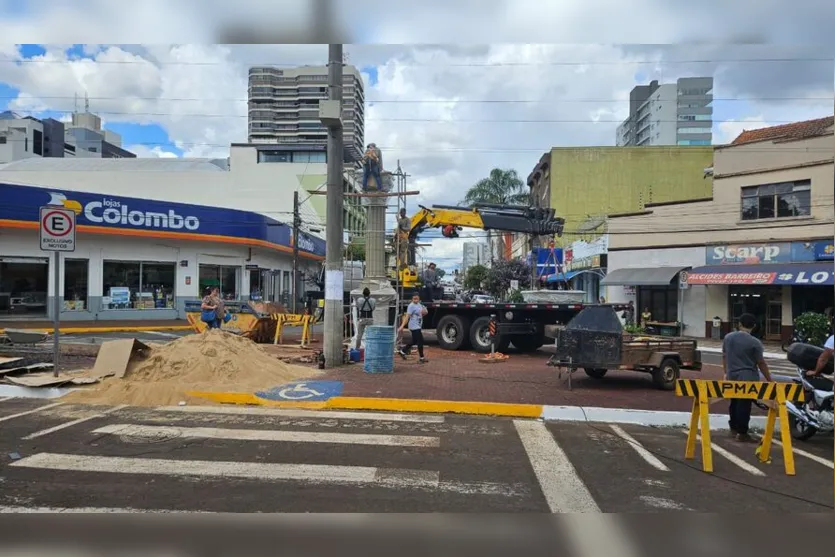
(524,378)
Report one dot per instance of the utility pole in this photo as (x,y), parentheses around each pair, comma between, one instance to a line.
(297,222)
(330,112)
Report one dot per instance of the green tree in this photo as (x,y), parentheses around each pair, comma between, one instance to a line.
(501,186)
(440,273)
(355,251)
(501,273)
(475,275)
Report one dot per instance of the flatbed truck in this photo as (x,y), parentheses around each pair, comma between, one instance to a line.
(465,325)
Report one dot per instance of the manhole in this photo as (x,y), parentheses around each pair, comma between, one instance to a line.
(139,436)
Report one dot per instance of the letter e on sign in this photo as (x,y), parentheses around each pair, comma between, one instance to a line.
(57,229)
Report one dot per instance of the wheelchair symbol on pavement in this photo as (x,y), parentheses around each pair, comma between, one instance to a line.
(299,392)
(310,391)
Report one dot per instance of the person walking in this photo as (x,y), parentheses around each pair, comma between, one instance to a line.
(212,305)
(413,319)
(743,360)
(365,314)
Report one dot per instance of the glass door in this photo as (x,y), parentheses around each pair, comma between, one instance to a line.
(774,319)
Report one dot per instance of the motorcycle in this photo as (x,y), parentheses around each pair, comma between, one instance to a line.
(816,414)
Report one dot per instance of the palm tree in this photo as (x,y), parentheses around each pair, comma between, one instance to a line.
(503,187)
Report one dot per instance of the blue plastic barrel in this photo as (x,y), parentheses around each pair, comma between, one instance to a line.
(379,349)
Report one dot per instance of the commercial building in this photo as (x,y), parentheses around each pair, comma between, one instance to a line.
(585,184)
(138,258)
(23,137)
(761,244)
(246,184)
(677,113)
(585,265)
(284,107)
(475,253)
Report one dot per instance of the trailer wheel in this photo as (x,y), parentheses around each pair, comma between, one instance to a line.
(595,373)
(453,332)
(528,343)
(480,336)
(665,375)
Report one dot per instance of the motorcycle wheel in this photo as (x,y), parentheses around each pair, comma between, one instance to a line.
(799,430)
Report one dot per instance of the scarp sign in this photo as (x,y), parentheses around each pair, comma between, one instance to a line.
(748,254)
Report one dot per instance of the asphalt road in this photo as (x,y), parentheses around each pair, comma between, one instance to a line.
(778,366)
(67,457)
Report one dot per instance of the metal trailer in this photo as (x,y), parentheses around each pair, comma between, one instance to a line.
(461,326)
(595,342)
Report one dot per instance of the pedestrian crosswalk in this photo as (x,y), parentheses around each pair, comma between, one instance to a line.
(243,459)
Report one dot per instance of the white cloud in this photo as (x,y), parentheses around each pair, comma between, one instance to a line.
(153,152)
(728,131)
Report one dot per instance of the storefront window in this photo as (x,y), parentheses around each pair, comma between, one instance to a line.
(256,290)
(285,288)
(224,277)
(23,285)
(138,285)
(76,275)
(662,302)
(765,303)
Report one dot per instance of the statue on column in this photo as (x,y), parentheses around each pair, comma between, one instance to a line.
(372,169)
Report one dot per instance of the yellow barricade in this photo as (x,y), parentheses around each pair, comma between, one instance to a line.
(702,390)
(292,320)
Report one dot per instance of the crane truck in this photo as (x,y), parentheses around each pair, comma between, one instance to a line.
(460,325)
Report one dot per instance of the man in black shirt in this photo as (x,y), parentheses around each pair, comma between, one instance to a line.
(365,314)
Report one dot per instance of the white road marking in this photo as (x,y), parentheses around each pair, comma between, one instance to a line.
(750,468)
(564,491)
(810,456)
(596,535)
(47,431)
(272,435)
(21,414)
(4,510)
(651,459)
(300,413)
(314,473)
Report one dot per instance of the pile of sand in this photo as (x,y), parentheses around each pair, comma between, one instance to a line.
(214,361)
(268,308)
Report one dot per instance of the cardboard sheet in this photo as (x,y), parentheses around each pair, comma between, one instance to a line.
(5,362)
(49,380)
(114,356)
(25,369)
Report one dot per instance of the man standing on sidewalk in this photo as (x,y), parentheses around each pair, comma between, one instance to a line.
(743,360)
(365,313)
(413,318)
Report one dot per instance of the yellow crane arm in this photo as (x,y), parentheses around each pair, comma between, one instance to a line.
(433,218)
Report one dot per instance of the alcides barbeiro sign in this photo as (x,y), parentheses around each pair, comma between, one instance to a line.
(108,214)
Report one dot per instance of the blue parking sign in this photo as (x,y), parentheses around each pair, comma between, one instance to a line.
(303,391)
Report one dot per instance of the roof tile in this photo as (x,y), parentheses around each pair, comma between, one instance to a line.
(795,130)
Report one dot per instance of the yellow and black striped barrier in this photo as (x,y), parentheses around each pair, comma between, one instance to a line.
(702,390)
(292,320)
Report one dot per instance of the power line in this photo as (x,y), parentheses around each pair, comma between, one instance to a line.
(433,64)
(427,101)
(428,120)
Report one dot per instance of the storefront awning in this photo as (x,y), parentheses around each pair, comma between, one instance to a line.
(797,274)
(562,277)
(641,276)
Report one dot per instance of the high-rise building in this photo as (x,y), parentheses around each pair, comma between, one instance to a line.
(677,113)
(475,253)
(23,137)
(284,107)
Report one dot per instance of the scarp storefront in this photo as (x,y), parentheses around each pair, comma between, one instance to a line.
(141,259)
(774,282)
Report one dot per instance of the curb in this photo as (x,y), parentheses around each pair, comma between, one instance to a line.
(771,355)
(653,418)
(133,329)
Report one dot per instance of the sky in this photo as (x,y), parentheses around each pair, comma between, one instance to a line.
(448,113)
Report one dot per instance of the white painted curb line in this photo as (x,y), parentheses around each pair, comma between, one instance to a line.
(769,355)
(655,418)
(30,392)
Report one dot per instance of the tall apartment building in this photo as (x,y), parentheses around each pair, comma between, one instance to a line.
(677,113)
(284,107)
(475,253)
(23,137)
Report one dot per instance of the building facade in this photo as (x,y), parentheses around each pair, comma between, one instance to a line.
(762,244)
(139,258)
(475,253)
(23,137)
(669,114)
(284,107)
(588,183)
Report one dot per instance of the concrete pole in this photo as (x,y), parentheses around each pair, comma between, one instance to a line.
(376,279)
(334,275)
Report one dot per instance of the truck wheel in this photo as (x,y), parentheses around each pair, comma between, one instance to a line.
(453,332)
(525,343)
(480,335)
(595,373)
(665,375)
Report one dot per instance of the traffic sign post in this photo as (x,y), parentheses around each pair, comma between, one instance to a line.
(57,234)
